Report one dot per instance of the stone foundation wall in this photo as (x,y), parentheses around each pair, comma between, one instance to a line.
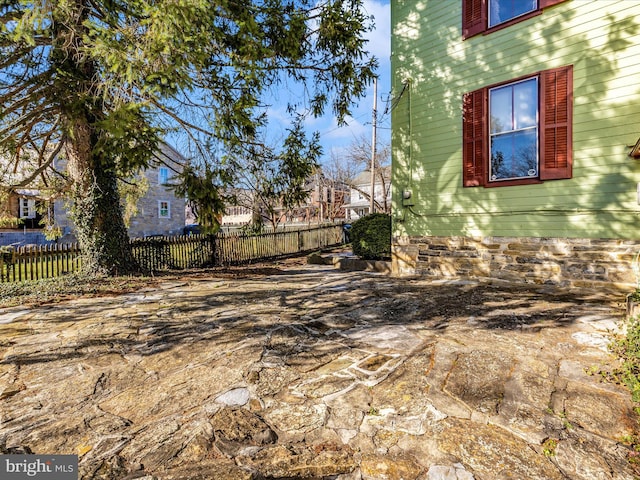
(556,261)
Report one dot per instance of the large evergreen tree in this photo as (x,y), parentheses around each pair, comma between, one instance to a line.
(101,82)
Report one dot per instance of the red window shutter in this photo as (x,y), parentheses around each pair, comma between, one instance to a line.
(549,3)
(475,137)
(556,121)
(474,17)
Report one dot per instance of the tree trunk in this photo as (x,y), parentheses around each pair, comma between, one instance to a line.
(97,212)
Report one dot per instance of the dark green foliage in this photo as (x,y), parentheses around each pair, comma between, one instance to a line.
(199,185)
(101,83)
(627,349)
(371,237)
(278,181)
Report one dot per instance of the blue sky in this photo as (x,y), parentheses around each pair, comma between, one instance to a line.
(334,138)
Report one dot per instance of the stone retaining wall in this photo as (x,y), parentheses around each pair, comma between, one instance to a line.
(557,261)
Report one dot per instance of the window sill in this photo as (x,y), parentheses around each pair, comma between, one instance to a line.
(510,183)
(506,24)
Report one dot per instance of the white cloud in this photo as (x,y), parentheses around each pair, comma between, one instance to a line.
(353,129)
(277,113)
(380,38)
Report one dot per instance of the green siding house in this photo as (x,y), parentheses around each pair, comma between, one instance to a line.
(514,126)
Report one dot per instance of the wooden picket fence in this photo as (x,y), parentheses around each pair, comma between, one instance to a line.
(227,249)
(34,262)
(174,253)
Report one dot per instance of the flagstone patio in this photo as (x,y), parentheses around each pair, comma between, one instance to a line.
(306,371)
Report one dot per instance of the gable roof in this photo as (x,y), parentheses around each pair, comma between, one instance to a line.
(364,177)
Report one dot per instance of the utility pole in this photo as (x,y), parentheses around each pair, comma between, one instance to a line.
(372,203)
(319,197)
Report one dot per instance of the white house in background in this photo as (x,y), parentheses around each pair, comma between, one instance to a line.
(241,212)
(360,203)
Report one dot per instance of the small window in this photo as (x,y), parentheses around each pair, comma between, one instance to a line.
(27,208)
(484,16)
(163,176)
(164,209)
(501,11)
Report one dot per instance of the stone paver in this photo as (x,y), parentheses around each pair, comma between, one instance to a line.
(319,373)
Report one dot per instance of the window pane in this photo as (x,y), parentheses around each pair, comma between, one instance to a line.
(514,155)
(525,99)
(27,208)
(503,10)
(163,175)
(501,108)
(164,209)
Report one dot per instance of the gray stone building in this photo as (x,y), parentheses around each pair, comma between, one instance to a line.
(158,212)
(360,194)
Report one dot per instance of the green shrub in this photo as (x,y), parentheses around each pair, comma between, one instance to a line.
(371,237)
(627,349)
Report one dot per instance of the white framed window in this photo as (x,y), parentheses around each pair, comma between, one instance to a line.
(164,209)
(27,208)
(513,124)
(163,176)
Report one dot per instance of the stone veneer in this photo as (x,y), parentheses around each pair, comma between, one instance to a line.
(556,261)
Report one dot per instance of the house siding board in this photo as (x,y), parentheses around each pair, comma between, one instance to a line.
(522,226)
(611,138)
(592,189)
(482,61)
(592,12)
(559,37)
(615,96)
(599,201)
